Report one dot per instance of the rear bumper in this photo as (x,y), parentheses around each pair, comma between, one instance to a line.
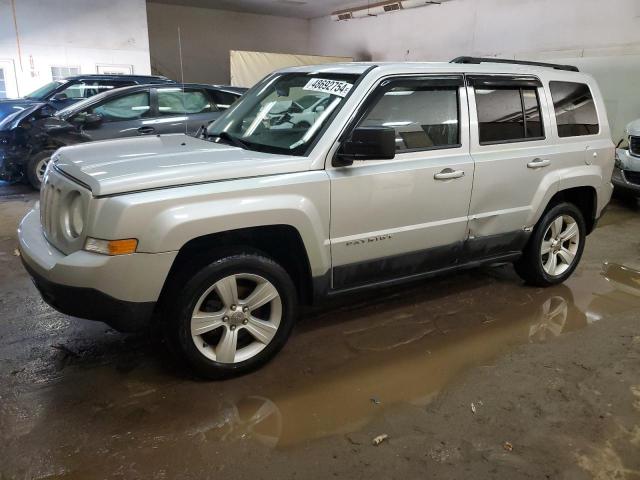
(121,290)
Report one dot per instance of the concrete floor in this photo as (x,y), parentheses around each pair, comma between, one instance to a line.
(470,376)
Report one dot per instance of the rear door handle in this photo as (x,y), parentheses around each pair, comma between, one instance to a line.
(146,130)
(448,174)
(538,163)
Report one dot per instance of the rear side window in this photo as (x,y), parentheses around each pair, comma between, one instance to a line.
(424,116)
(508,114)
(178,101)
(223,99)
(575,111)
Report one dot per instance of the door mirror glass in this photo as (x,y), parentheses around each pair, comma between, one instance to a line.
(92,120)
(60,97)
(87,120)
(367,143)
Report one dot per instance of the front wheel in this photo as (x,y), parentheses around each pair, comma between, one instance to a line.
(555,247)
(232,316)
(36,166)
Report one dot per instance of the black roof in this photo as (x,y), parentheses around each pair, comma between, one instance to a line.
(134,78)
(132,88)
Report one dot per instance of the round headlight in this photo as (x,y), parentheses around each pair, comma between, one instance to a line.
(75,216)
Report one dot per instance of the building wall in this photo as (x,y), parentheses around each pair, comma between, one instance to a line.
(209,35)
(602,38)
(78,33)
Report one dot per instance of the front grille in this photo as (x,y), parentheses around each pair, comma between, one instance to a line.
(634,146)
(632,177)
(49,205)
(56,193)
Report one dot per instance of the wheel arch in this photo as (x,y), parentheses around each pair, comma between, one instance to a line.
(585,198)
(280,242)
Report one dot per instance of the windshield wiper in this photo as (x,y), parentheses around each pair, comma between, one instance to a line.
(235,141)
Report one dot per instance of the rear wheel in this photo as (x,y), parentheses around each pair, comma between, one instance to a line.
(232,316)
(36,166)
(555,247)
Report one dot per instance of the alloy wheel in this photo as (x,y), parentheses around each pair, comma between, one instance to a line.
(560,245)
(41,168)
(236,318)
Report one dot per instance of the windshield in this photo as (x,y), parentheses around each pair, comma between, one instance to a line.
(44,91)
(284,113)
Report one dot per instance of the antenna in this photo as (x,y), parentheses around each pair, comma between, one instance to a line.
(184,104)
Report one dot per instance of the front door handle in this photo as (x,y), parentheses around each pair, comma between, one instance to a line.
(146,130)
(538,163)
(448,174)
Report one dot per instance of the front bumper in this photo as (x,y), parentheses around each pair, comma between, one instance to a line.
(11,164)
(621,183)
(121,291)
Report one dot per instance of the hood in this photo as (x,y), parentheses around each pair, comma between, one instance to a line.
(634,128)
(13,119)
(132,164)
(7,107)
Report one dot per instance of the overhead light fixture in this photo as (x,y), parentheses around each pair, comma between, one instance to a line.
(375,9)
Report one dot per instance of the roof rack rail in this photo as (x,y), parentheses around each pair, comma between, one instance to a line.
(476,60)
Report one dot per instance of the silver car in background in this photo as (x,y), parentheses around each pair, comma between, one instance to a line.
(626,174)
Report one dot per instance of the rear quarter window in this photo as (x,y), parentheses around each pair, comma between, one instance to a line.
(575,110)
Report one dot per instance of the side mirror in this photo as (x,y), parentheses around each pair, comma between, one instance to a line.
(88,120)
(60,97)
(367,143)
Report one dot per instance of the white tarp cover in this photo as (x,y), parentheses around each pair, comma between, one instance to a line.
(247,68)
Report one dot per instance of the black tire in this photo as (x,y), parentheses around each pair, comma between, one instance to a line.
(32,168)
(530,265)
(181,304)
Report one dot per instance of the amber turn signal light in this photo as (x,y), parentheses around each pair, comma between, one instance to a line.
(111,247)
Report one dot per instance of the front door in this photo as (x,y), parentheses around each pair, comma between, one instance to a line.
(123,116)
(402,217)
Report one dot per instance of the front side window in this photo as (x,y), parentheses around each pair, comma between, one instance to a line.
(176,101)
(269,117)
(423,115)
(575,111)
(508,114)
(128,107)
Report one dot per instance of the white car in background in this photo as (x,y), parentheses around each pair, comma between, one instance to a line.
(300,113)
(626,174)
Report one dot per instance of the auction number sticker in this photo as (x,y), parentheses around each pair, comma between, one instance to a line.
(334,87)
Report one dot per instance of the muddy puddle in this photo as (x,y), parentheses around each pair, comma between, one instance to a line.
(413,350)
(344,366)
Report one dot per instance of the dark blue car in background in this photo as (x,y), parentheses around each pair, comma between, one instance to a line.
(29,136)
(62,93)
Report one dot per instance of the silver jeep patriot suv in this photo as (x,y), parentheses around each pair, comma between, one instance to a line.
(394,172)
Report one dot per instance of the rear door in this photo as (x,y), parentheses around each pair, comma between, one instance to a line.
(183,110)
(515,163)
(401,217)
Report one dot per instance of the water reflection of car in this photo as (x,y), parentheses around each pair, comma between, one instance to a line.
(29,137)
(626,174)
(62,93)
(413,367)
